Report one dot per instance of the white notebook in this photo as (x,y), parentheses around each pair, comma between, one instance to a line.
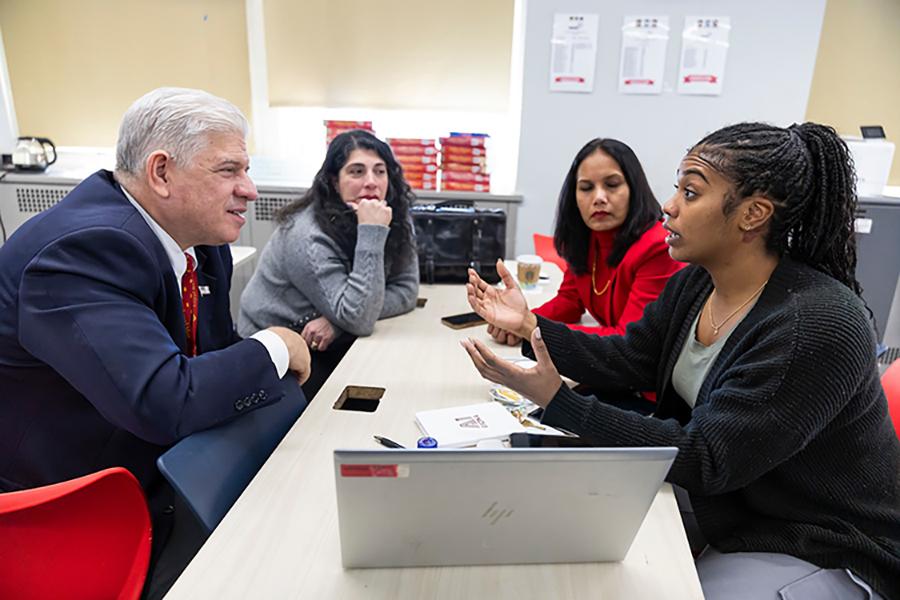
(461,426)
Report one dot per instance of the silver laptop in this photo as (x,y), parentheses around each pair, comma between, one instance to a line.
(406,508)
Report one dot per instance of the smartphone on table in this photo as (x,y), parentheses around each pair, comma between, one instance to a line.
(461,321)
(534,440)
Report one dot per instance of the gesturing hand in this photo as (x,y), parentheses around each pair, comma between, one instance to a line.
(539,383)
(503,336)
(504,309)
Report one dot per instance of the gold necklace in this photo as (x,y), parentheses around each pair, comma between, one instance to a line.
(712,321)
(594,283)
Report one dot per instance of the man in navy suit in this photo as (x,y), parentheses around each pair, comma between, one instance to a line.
(109,353)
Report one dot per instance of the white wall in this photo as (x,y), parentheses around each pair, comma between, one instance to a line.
(9,128)
(768,75)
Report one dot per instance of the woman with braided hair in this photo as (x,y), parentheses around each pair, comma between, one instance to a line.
(763,360)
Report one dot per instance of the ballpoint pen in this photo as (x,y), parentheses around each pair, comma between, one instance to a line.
(386,442)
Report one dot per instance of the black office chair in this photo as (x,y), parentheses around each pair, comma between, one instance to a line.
(210,469)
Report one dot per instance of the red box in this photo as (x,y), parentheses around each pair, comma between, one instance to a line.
(423,185)
(415,159)
(414,150)
(476,141)
(410,142)
(458,177)
(464,168)
(456,186)
(334,131)
(348,124)
(462,151)
(457,164)
(335,128)
(423,175)
(411,169)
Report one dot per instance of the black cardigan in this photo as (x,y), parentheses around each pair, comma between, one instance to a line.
(789,447)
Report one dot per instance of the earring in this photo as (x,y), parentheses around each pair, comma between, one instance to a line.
(745,228)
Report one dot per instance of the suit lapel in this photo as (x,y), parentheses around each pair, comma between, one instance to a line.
(208,289)
(168,305)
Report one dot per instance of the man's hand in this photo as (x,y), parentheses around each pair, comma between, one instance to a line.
(539,383)
(503,337)
(504,309)
(373,212)
(299,361)
(319,333)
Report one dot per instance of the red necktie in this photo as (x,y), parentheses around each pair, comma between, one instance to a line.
(189,303)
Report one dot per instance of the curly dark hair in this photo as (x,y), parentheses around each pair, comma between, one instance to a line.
(338,221)
(807,172)
(572,236)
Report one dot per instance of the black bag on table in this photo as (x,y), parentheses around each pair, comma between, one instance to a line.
(453,236)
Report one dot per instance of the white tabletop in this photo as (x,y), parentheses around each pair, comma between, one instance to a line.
(280,540)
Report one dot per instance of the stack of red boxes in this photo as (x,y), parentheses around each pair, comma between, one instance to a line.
(464,163)
(419,159)
(335,128)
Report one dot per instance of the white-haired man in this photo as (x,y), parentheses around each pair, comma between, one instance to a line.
(115,334)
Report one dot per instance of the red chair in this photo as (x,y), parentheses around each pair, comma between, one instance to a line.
(543,247)
(86,538)
(890,381)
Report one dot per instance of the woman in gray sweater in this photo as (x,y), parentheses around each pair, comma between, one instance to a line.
(341,257)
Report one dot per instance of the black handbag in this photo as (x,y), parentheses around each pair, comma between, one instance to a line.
(453,236)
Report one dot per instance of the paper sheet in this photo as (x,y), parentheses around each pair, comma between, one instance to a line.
(704,47)
(643,58)
(573,53)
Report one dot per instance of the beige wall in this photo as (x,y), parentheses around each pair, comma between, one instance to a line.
(857,76)
(76,65)
(397,54)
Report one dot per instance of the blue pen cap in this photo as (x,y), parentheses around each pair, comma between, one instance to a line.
(426,442)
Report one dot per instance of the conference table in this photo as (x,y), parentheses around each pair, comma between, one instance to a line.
(281,540)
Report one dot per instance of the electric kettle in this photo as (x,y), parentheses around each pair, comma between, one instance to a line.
(33,154)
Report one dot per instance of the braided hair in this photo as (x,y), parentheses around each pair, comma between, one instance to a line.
(338,221)
(807,172)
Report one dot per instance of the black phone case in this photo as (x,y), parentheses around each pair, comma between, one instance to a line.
(463,320)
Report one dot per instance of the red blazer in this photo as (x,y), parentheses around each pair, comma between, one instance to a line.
(635,282)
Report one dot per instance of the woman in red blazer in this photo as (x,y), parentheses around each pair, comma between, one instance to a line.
(609,232)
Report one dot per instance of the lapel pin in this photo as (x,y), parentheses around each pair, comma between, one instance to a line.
(204,290)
